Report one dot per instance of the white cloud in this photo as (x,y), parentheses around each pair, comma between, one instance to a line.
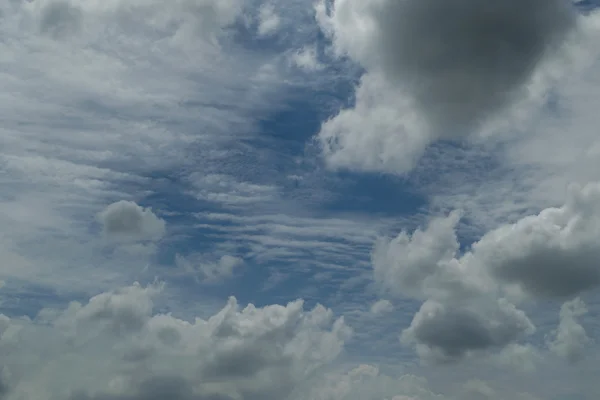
(427,80)
(307,59)
(268,20)
(571,339)
(382,307)
(116,347)
(552,254)
(224,268)
(519,357)
(127,221)
(181,20)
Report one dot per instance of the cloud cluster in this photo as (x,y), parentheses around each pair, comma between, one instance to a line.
(116,347)
(468,296)
(434,70)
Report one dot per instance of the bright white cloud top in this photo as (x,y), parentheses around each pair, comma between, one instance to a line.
(289,200)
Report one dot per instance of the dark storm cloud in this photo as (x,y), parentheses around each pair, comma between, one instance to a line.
(464,60)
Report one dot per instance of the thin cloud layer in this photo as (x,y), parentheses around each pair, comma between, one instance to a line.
(182,20)
(434,70)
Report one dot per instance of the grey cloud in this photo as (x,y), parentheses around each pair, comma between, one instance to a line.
(4,387)
(439,69)
(157,388)
(552,254)
(59,19)
(446,333)
(549,274)
(463,60)
(125,220)
(250,353)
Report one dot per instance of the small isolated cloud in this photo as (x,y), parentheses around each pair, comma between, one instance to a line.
(434,70)
(224,268)
(448,332)
(552,254)
(571,339)
(382,307)
(307,59)
(127,221)
(268,20)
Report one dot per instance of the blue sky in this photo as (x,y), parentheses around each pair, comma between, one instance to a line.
(252,199)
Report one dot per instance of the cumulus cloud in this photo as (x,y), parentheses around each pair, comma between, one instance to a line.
(434,70)
(381,307)
(447,332)
(268,20)
(553,254)
(127,221)
(366,382)
(477,390)
(115,347)
(571,338)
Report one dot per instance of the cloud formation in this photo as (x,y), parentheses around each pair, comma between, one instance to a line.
(116,347)
(224,268)
(449,332)
(433,70)
(571,338)
(550,255)
(125,220)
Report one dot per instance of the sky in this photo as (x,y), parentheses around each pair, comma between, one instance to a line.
(299,200)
